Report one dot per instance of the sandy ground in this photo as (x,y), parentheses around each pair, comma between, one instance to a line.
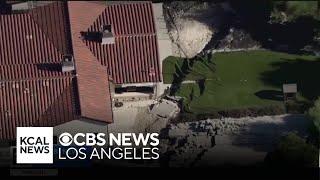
(191,36)
(131,117)
(135,117)
(192,25)
(126,117)
(190,29)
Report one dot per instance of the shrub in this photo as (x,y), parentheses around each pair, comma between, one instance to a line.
(293,151)
(184,117)
(297,107)
(314,116)
(253,111)
(187,116)
(293,10)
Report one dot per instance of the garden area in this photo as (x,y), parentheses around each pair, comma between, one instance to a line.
(241,80)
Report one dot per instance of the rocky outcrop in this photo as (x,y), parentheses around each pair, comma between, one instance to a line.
(187,142)
(191,36)
(196,27)
(238,39)
(191,25)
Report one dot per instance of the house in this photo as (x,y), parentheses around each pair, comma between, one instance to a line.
(60,61)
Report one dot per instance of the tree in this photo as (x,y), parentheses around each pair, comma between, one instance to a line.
(314,116)
(293,151)
(288,11)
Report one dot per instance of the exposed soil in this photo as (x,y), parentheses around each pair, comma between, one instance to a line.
(197,26)
(215,142)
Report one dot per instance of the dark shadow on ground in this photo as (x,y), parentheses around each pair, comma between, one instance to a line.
(262,135)
(254,16)
(181,73)
(49,66)
(303,72)
(295,35)
(201,83)
(270,94)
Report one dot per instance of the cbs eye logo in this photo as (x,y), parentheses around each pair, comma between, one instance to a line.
(65,139)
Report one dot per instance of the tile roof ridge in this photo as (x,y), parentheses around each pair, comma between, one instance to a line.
(44,34)
(31,14)
(136,35)
(83,44)
(78,33)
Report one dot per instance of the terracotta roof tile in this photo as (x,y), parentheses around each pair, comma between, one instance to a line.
(33,90)
(92,77)
(134,56)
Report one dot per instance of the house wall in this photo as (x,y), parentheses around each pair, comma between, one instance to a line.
(132,96)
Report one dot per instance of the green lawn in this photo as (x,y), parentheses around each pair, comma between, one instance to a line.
(172,65)
(245,79)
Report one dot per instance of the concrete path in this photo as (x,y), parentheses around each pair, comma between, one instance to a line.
(126,117)
(188,82)
(164,41)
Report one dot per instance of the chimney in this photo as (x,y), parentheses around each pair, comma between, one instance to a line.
(67,63)
(107,34)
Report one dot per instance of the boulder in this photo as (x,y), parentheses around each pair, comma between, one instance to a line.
(174,133)
(203,141)
(182,126)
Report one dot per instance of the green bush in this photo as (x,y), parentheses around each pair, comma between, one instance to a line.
(293,10)
(314,116)
(297,107)
(293,151)
(188,116)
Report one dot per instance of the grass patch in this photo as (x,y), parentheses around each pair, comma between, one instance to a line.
(245,79)
(173,65)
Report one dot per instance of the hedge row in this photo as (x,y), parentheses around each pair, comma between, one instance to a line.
(234,113)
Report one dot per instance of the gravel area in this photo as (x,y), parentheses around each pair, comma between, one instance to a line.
(243,141)
(137,117)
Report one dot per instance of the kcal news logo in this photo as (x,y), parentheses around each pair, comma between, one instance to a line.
(34,145)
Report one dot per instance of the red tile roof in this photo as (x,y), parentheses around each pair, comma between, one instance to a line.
(134,56)
(132,59)
(92,77)
(33,92)
(53,21)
